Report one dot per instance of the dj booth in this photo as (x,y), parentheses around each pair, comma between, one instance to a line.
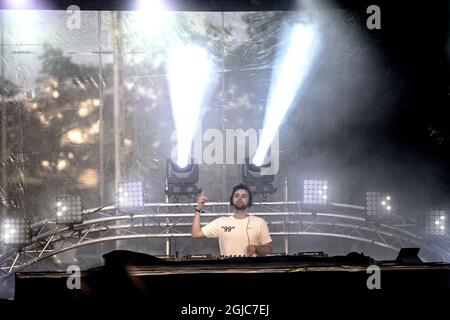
(270,287)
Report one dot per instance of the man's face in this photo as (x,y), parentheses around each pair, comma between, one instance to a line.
(240,199)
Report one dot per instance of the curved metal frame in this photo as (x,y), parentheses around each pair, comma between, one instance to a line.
(160,221)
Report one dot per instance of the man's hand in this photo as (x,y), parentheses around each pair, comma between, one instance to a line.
(196,225)
(251,250)
(202,199)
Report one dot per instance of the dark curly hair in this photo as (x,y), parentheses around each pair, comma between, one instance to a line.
(242,186)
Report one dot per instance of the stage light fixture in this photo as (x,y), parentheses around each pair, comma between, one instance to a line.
(259,184)
(378,205)
(16,231)
(130,197)
(68,210)
(315,193)
(436,224)
(181,181)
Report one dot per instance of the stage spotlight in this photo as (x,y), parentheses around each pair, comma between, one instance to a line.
(287,78)
(148,19)
(259,184)
(19,4)
(315,193)
(150,6)
(378,204)
(130,198)
(68,210)
(24,26)
(16,231)
(436,223)
(189,77)
(181,181)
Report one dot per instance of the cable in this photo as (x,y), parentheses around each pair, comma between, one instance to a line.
(246,231)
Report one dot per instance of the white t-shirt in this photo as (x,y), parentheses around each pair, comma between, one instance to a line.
(236,234)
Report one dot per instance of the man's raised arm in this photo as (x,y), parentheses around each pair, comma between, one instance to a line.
(196,223)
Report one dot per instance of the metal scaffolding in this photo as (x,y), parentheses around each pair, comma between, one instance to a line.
(169,220)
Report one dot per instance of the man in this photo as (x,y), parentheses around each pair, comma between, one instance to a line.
(240,234)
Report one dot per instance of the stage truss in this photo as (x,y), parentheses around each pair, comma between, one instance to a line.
(173,220)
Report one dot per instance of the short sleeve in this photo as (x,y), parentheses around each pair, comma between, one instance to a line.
(211,230)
